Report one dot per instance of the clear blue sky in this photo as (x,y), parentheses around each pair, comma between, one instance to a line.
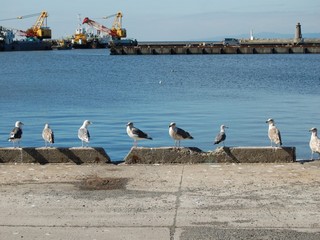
(148,20)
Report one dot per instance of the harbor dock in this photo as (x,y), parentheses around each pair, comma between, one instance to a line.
(272,47)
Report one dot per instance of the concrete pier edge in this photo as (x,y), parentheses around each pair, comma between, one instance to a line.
(142,155)
(193,155)
(42,155)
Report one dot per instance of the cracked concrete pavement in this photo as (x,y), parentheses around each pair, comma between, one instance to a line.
(201,201)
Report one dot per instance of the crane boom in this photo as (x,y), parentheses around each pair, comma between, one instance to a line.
(116,32)
(117,26)
(38,29)
(97,26)
(40,20)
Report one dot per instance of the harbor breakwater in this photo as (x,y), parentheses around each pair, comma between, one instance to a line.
(203,49)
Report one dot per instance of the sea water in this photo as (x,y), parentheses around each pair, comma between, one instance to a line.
(198,92)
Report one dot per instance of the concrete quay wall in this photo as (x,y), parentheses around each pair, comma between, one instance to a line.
(53,155)
(140,155)
(193,155)
(171,50)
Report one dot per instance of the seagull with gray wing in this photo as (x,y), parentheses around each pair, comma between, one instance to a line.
(136,134)
(274,133)
(221,137)
(178,134)
(83,133)
(314,142)
(47,135)
(16,134)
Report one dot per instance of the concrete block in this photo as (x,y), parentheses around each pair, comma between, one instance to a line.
(54,155)
(245,50)
(254,155)
(11,155)
(283,50)
(141,155)
(193,155)
(263,50)
(297,50)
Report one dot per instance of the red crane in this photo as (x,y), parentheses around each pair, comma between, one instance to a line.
(116,32)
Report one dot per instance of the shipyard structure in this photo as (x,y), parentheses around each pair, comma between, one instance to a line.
(228,46)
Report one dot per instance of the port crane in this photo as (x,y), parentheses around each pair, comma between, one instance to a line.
(116,32)
(39,29)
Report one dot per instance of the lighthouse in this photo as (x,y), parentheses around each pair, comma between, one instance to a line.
(298,34)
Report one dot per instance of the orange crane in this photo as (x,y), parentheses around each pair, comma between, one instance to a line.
(116,31)
(39,29)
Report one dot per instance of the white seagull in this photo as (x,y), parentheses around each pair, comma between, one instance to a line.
(83,133)
(274,133)
(16,134)
(178,134)
(47,135)
(136,134)
(314,142)
(221,135)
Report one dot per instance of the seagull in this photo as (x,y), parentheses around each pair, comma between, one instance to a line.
(314,142)
(274,133)
(47,135)
(178,134)
(83,133)
(16,134)
(221,135)
(136,134)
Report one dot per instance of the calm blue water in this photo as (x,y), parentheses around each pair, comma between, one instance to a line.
(199,93)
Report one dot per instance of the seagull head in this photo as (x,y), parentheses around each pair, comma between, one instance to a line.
(173,124)
(270,121)
(46,125)
(19,124)
(86,123)
(314,130)
(130,124)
